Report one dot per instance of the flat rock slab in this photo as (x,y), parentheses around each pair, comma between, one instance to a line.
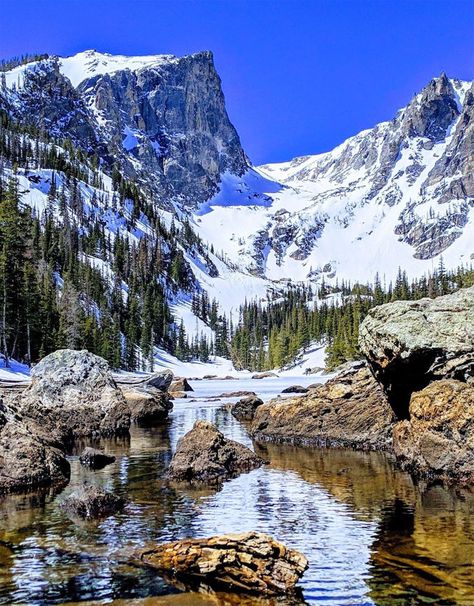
(350,410)
(90,502)
(204,454)
(251,563)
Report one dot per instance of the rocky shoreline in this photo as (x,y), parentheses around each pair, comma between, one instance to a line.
(413,395)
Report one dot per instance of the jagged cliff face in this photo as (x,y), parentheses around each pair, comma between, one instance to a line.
(162,118)
(399,194)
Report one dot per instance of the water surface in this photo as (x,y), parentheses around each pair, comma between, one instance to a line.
(371,535)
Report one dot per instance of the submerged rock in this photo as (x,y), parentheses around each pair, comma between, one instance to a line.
(236,394)
(349,410)
(252,563)
(95,459)
(205,455)
(244,409)
(408,344)
(28,457)
(438,440)
(147,405)
(73,393)
(90,502)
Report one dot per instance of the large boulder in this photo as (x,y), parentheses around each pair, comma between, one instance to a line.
(148,405)
(91,502)
(204,454)
(438,440)
(73,393)
(28,457)
(252,563)
(349,410)
(244,409)
(408,344)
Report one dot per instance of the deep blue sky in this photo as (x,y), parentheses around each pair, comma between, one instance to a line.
(299,76)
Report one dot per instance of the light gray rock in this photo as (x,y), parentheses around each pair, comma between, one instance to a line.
(408,344)
(73,393)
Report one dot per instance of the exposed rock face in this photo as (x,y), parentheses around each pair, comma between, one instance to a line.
(251,563)
(244,409)
(90,502)
(165,121)
(147,404)
(410,343)
(73,393)
(94,458)
(28,459)
(205,455)
(349,410)
(438,440)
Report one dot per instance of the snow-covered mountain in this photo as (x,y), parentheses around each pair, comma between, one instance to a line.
(397,195)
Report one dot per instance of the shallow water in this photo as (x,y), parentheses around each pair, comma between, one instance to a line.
(371,536)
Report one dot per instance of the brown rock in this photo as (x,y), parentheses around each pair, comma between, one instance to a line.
(349,410)
(180,384)
(244,409)
(437,442)
(251,563)
(264,375)
(205,455)
(28,457)
(148,406)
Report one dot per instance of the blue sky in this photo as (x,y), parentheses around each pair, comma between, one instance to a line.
(299,76)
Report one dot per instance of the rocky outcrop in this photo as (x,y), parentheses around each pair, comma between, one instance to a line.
(90,502)
(349,410)
(28,457)
(408,344)
(251,563)
(438,440)
(94,458)
(147,405)
(244,409)
(73,393)
(204,454)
